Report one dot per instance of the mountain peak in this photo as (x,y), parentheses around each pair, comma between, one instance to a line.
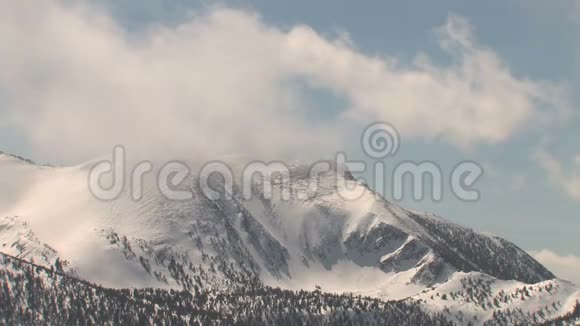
(364,245)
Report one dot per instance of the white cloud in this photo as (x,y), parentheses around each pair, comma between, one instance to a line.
(476,99)
(564,267)
(77,83)
(568,181)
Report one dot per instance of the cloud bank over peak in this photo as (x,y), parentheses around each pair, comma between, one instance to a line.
(76,83)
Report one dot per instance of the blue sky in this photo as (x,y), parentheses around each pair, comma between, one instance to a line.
(526,197)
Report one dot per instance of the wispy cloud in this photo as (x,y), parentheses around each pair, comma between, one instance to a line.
(475,99)
(76,83)
(564,267)
(569,181)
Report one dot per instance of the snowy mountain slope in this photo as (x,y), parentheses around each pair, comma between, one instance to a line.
(479,298)
(470,251)
(33,295)
(16,238)
(367,246)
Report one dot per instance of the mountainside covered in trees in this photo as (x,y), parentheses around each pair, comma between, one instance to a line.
(32,294)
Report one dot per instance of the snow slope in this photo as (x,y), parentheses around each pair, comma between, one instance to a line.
(475,297)
(318,238)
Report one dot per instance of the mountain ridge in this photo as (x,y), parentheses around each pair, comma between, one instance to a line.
(369,246)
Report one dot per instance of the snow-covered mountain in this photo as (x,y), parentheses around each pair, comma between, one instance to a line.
(366,246)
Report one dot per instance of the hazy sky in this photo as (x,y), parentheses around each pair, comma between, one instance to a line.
(495,82)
